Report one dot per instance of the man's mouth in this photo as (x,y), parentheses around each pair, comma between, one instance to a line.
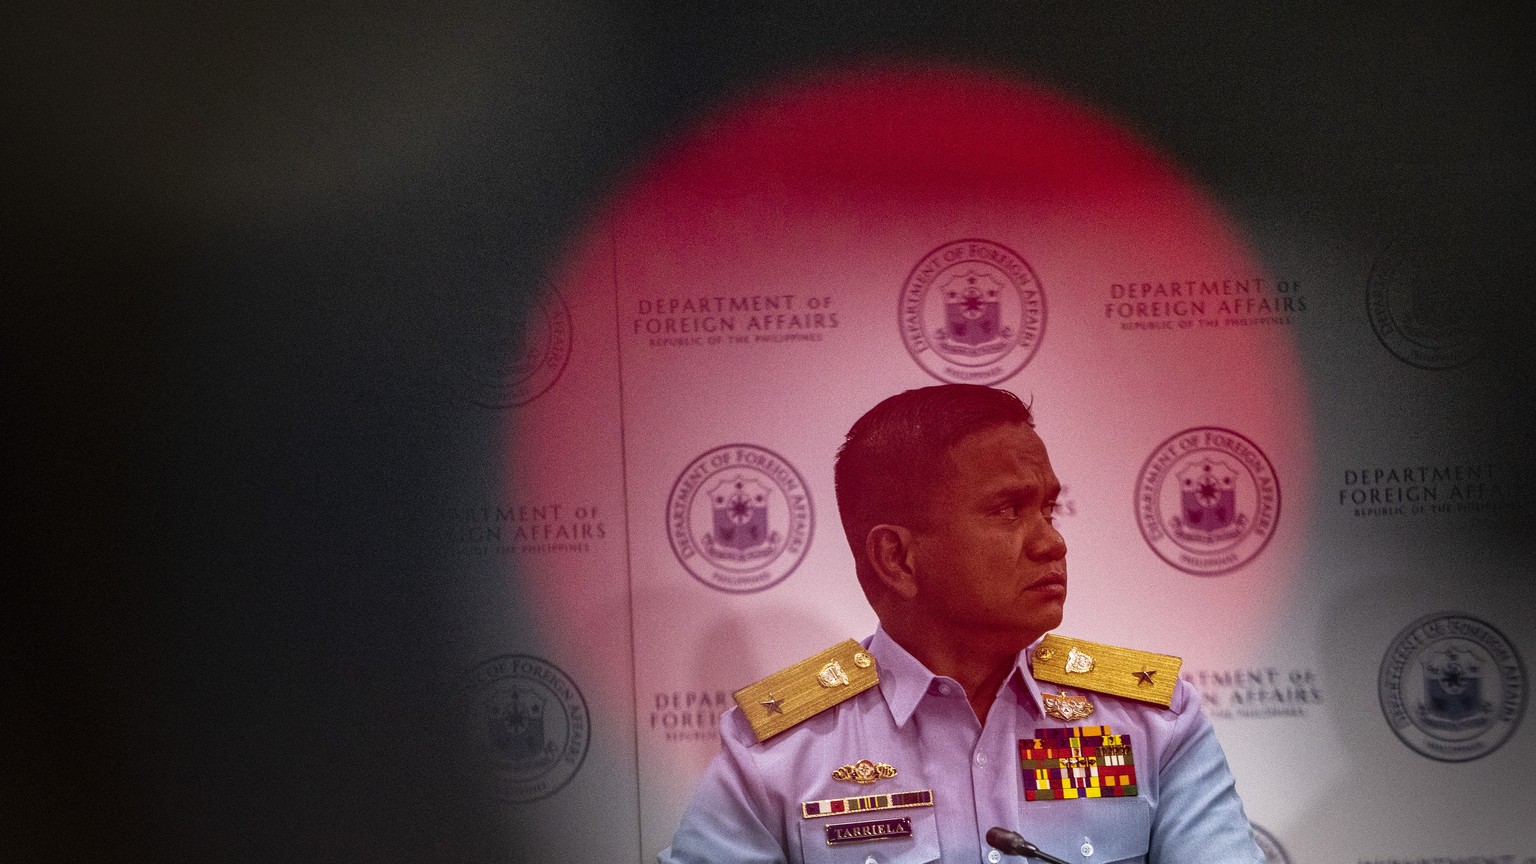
(1050,581)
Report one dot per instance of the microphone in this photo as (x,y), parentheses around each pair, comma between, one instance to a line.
(1010,843)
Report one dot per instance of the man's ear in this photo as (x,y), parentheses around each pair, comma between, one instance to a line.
(889,550)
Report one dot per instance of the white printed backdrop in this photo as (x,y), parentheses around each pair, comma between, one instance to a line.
(398,359)
(1358,621)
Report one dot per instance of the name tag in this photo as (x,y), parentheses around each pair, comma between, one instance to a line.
(874,829)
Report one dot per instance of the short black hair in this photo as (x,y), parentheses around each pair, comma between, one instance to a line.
(892,457)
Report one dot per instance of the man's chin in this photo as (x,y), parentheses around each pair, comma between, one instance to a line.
(1049,619)
(1021,634)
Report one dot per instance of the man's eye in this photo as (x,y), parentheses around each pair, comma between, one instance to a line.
(1008,511)
(1050,511)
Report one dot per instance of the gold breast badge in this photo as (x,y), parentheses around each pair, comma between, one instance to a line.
(864,772)
(1065,707)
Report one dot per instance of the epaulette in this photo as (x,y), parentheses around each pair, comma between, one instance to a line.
(799,692)
(1124,672)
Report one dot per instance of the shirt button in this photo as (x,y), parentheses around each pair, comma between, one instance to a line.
(943,689)
(1086,848)
(994,856)
(981,759)
(871,860)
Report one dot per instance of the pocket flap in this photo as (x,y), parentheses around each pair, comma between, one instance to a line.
(1091,830)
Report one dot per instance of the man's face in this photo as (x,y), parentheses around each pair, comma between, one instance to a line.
(989,562)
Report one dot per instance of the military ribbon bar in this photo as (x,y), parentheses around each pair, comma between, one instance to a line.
(866,803)
(1077,762)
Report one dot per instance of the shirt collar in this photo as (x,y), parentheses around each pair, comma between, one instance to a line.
(904,680)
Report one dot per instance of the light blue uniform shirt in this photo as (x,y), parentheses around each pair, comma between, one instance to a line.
(747,805)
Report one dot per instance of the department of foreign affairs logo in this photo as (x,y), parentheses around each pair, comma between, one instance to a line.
(1207,500)
(529,723)
(1422,299)
(972,311)
(1452,687)
(740,518)
(1274,853)
(515,349)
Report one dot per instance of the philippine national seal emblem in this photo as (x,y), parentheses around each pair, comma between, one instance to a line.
(517,349)
(739,518)
(1423,299)
(1452,687)
(972,312)
(1207,500)
(529,723)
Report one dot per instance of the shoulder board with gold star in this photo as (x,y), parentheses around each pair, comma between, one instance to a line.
(1123,672)
(801,691)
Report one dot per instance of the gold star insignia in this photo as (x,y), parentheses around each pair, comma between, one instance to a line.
(1145,676)
(772,704)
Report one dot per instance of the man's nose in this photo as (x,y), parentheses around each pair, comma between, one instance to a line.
(1049,545)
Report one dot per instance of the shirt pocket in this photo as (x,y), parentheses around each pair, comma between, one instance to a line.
(1090,830)
(882,847)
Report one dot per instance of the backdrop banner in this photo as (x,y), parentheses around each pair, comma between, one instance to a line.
(1223,397)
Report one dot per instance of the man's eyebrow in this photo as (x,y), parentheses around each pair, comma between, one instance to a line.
(1013,489)
(1028,490)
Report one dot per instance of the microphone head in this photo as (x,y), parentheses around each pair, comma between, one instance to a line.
(1008,842)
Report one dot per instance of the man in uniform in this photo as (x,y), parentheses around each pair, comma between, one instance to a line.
(960,714)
